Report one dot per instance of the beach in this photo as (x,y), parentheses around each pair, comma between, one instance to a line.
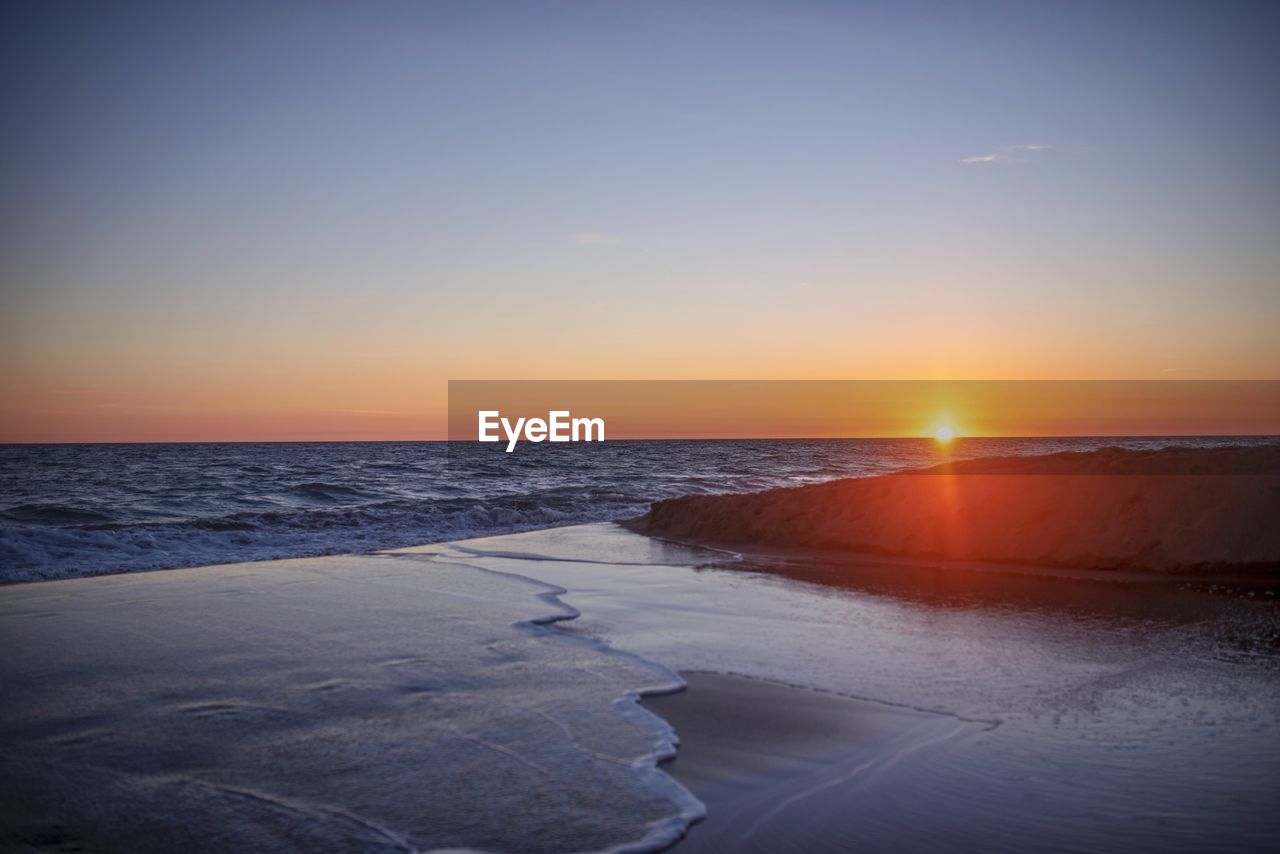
(778,766)
(627,427)
(436,697)
(339,704)
(78,510)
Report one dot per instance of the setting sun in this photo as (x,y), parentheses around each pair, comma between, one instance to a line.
(944,434)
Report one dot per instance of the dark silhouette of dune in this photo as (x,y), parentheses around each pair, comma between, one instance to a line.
(1177,511)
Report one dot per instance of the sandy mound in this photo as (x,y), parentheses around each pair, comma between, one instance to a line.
(1174,510)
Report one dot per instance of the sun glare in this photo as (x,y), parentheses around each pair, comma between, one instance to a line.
(944,434)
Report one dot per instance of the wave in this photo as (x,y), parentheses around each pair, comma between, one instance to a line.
(35,552)
(95,509)
(52,514)
(334,493)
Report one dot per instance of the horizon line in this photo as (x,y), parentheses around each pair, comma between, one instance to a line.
(921,438)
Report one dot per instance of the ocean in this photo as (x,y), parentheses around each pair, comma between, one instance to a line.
(75,510)
(443,698)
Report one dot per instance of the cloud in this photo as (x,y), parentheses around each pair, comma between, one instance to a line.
(595,238)
(1005,153)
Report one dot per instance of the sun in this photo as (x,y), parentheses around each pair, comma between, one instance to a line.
(944,434)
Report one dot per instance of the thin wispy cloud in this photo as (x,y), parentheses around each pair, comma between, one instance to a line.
(595,238)
(1009,152)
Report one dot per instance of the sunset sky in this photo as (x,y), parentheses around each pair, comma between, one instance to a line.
(741,409)
(300,220)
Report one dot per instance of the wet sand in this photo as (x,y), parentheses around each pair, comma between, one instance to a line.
(780,767)
(321,704)
(1057,710)
(404,701)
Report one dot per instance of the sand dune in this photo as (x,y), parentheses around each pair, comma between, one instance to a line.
(1174,511)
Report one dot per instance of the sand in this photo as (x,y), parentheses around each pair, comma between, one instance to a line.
(779,766)
(1175,511)
(407,701)
(325,704)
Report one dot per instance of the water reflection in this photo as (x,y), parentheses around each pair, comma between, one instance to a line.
(1123,713)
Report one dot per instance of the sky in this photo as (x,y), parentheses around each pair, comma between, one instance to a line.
(821,409)
(300,220)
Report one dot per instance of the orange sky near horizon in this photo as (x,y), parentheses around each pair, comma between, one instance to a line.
(391,386)
(306,234)
(646,409)
(719,409)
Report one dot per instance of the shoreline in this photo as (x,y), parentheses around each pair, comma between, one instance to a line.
(752,556)
(778,766)
(326,713)
(900,691)
(279,504)
(832,563)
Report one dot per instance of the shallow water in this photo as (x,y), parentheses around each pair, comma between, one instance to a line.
(342,704)
(74,510)
(1089,715)
(385,702)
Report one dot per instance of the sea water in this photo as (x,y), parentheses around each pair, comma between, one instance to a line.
(75,510)
(1075,715)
